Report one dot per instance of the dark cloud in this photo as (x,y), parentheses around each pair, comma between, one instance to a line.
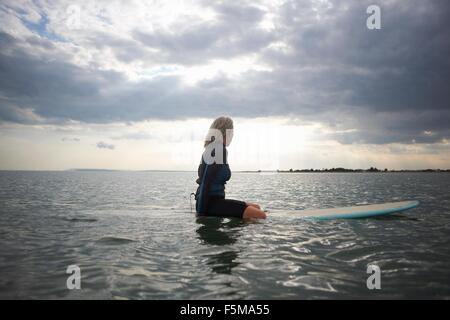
(234,32)
(104,145)
(70,139)
(389,85)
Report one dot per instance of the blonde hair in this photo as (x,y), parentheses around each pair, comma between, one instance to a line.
(222,124)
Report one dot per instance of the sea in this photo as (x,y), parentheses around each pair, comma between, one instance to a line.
(133,235)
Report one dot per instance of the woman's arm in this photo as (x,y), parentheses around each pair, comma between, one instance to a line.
(206,177)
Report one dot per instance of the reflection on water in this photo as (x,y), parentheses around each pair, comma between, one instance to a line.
(220,232)
(395,216)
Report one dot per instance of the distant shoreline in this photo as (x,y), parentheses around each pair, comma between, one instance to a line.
(345,170)
(325,170)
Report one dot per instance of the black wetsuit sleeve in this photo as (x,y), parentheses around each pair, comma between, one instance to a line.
(207,174)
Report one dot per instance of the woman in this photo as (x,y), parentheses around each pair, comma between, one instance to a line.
(214,172)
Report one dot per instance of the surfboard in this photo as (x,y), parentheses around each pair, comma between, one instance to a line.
(362,211)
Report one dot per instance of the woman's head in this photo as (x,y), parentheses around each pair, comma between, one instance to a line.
(221,129)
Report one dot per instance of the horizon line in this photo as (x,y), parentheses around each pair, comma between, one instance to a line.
(291,170)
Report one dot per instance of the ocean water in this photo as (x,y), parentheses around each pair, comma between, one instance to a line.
(133,237)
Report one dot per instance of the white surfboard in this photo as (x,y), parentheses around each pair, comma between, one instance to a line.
(362,211)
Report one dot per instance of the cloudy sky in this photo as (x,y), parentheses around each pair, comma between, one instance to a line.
(135,84)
